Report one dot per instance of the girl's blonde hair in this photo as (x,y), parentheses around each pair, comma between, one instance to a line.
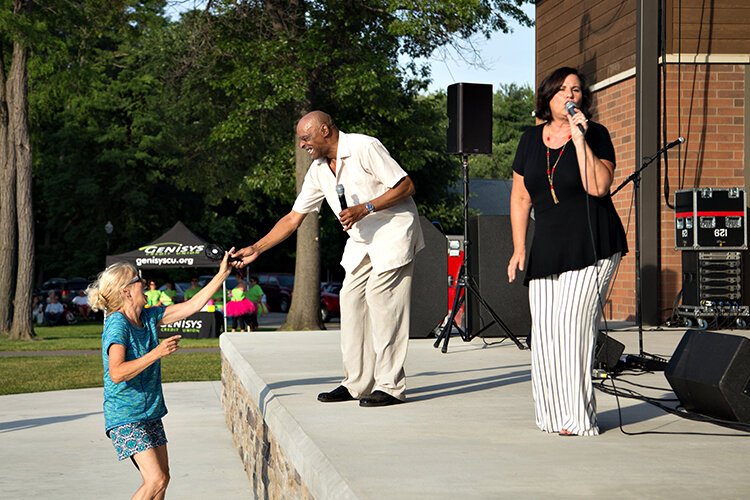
(104,293)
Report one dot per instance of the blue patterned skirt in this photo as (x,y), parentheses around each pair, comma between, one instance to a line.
(136,437)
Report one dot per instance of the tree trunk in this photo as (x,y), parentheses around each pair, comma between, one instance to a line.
(305,311)
(288,21)
(7,203)
(18,106)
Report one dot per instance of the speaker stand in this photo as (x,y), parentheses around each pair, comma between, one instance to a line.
(465,285)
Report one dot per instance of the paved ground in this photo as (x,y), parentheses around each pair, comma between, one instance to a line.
(466,432)
(53,446)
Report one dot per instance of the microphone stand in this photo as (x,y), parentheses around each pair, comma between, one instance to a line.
(644,360)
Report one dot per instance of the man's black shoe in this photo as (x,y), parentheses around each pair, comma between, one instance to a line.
(337,395)
(379,398)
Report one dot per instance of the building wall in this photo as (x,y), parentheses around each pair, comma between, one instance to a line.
(615,109)
(597,36)
(707,107)
(713,27)
(706,104)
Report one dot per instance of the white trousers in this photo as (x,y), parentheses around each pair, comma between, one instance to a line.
(375,313)
(565,316)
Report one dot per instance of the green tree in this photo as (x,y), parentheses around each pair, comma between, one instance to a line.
(269,62)
(102,151)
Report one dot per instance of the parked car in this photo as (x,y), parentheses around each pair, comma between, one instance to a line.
(56,285)
(278,290)
(75,284)
(329,301)
(65,289)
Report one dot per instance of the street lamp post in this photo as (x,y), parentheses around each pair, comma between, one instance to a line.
(108,228)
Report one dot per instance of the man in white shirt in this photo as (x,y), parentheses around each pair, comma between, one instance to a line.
(54,311)
(384,235)
(81,301)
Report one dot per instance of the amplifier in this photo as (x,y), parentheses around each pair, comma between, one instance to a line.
(714,290)
(712,278)
(710,218)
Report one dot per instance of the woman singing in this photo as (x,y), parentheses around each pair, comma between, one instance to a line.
(563,169)
(131,352)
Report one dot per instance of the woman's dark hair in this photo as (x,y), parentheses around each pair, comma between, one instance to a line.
(551,85)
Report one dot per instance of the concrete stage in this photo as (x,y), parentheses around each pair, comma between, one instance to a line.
(467,430)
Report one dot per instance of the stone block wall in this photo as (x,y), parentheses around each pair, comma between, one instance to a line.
(270,473)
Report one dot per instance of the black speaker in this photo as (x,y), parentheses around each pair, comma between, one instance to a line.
(429,292)
(470,118)
(710,374)
(608,352)
(490,248)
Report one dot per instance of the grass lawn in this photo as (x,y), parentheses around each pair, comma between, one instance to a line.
(83,336)
(52,373)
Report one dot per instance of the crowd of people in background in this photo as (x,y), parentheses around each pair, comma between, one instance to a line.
(51,309)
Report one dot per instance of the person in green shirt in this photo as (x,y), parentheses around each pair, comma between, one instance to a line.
(152,294)
(194,288)
(171,292)
(218,299)
(255,295)
(239,308)
(165,299)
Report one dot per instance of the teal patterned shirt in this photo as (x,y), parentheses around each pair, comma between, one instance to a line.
(139,399)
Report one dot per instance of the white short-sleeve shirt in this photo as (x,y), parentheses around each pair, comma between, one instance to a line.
(392,236)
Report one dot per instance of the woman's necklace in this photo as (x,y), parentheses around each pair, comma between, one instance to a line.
(551,172)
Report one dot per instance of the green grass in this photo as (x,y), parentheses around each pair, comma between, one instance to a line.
(21,374)
(84,336)
(53,373)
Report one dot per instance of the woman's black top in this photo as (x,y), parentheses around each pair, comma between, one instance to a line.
(562,240)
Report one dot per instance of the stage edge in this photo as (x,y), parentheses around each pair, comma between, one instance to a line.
(280,460)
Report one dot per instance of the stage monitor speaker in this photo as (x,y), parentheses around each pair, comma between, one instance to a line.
(491,245)
(710,374)
(608,352)
(470,118)
(429,288)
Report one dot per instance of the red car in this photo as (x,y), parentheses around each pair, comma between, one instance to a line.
(329,301)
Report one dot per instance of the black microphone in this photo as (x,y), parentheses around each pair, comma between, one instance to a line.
(678,141)
(342,199)
(571,107)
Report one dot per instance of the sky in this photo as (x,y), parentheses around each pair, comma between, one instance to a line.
(506,58)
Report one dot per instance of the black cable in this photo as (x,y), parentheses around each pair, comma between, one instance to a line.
(644,386)
(663,52)
(680,167)
(626,393)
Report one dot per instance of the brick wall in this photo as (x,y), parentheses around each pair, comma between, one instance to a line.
(707,107)
(615,109)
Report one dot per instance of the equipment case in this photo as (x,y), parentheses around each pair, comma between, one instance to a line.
(710,219)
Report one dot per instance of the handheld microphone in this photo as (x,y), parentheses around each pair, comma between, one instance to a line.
(215,252)
(571,107)
(342,199)
(678,141)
